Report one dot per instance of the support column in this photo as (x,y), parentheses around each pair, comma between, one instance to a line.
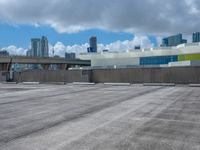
(45,66)
(62,66)
(4,67)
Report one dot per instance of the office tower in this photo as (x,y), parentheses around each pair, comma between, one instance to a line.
(196,37)
(35,47)
(35,51)
(93,45)
(70,56)
(39,47)
(44,49)
(173,41)
(165,42)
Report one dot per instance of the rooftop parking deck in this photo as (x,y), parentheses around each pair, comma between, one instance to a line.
(99,117)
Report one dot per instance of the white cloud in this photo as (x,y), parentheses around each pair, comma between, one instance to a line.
(135,16)
(143,41)
(13,50)
(159,40)
(59,49)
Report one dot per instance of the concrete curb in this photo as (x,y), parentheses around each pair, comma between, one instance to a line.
(83,83)
(54,83)
(137,84)
(159,84)
(118,84)
(194,85)
(31,83)
(9,82)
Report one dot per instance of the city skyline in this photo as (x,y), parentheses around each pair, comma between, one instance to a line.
(98,47)
(109,40)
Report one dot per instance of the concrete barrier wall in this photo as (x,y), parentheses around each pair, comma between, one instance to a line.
(50,76)
(178,75)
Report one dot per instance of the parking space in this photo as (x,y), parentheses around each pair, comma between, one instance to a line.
(92,117)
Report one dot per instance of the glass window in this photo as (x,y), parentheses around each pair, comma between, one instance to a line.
(157,60)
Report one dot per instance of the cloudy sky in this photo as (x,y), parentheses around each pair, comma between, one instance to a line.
(118,24)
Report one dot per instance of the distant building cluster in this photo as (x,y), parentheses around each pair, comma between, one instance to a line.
(173,41)
(196,37)
(177,40)
(70,56)
(39,47)
(4,53)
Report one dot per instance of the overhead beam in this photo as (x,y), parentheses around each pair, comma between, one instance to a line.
(41,60)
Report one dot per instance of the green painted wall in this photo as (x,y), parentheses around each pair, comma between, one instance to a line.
(189,57)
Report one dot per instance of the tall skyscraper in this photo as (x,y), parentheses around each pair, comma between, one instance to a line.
(39,47)
(173,40)
(93,45)
(44,47)
(196,37)
(35,47)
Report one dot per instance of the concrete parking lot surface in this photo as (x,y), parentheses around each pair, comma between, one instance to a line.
(99,117)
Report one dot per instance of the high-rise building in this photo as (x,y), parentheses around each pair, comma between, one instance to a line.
(44,47)
(165,42)
(35,47)
(39,47)
(196,37)
(173,41)
(70,56)
(93,45)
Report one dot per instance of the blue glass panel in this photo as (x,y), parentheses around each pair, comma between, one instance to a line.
(157,60)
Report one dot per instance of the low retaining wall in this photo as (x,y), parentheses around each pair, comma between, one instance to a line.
(177,75)
(52,76)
